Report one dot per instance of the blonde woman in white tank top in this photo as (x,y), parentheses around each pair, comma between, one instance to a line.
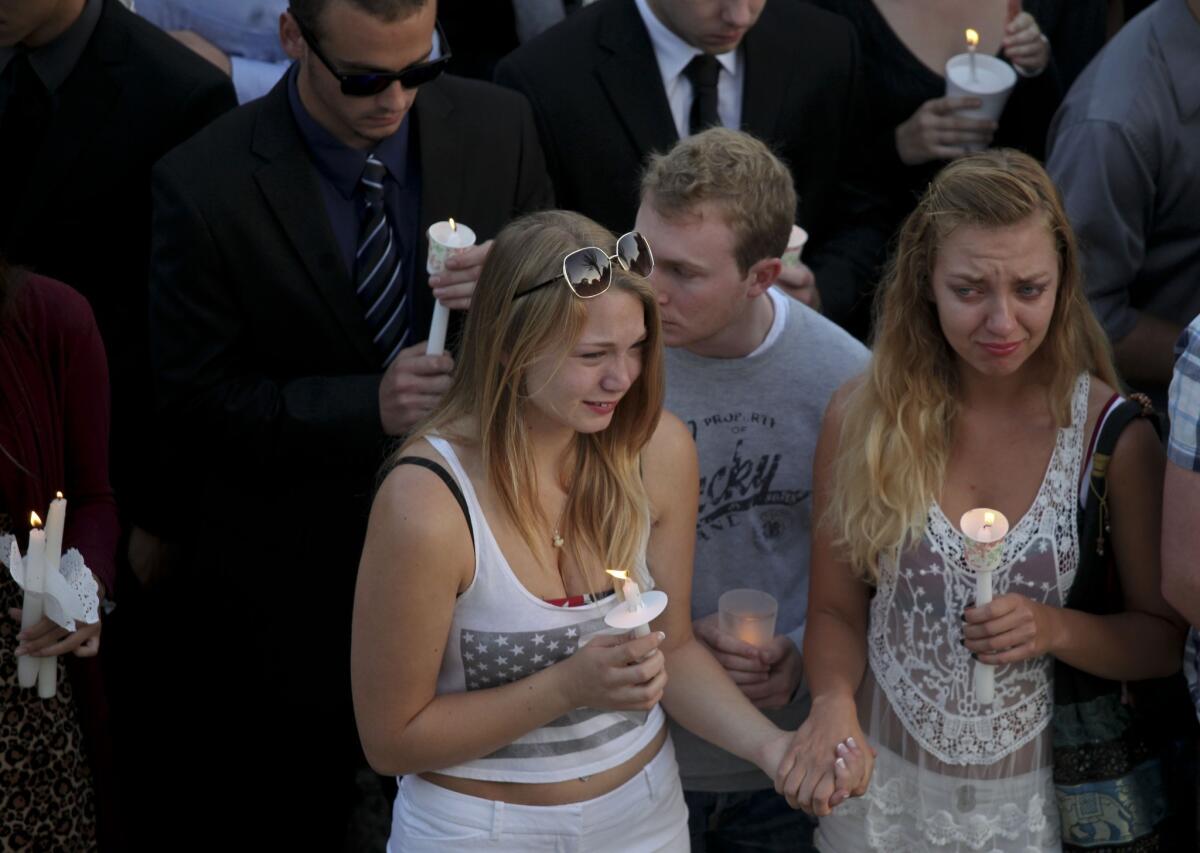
(467,673)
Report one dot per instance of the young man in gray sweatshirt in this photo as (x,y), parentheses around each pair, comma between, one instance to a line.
(750,370)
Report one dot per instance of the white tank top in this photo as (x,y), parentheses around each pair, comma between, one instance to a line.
(500,633)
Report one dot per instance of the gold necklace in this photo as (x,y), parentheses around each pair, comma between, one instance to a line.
(556,540)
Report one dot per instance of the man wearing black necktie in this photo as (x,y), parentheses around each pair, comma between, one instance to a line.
(640,74)
(289,310)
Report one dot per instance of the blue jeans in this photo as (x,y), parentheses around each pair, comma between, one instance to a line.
(747,822)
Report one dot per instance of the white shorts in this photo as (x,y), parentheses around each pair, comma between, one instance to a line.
(645,815)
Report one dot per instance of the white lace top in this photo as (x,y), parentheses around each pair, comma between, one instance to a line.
(951,771)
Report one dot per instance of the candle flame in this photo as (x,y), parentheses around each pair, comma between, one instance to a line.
(34,520)
(58,496)
(453,226)
(972,37)
(618,573)
(989,518)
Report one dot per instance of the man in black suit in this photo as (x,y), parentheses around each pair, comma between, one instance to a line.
(289,306)
(91,96)
(623,78)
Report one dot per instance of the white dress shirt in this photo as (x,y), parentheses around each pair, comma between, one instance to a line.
(673,55)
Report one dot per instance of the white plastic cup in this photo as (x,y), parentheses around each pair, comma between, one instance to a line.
(445,241)
(791,256)
(748,614)
(992,84)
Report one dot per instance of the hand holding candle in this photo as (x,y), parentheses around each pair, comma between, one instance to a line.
(446,240)
(984,530)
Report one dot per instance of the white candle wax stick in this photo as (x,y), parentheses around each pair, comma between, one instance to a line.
(437,329)
(47,680)
(56,519)
(984,530)
(33,603)
(985,673)
(55,523)
(632,593)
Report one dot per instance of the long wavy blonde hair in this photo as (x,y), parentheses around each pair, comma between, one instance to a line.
(898,422)
(606,519)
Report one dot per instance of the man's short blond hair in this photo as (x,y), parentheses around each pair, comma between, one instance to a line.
(749,185)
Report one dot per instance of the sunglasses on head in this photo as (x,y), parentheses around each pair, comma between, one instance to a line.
(588,271)
(365,84)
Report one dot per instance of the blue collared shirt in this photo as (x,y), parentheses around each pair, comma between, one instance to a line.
(246,30)
(339,169)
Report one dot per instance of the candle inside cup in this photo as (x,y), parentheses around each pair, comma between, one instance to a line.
(991,81)
(984,530)
(748,614)
(446,239)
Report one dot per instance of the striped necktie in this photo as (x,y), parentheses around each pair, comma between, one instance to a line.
(378,268)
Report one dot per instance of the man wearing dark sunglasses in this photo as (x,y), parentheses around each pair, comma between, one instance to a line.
(289,309)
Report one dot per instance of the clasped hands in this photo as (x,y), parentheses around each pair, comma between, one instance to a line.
(823,763)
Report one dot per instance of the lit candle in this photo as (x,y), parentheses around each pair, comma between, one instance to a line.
(631,594)
(55,523)
(972,43)
(985,530)
(33,604)
(446,239)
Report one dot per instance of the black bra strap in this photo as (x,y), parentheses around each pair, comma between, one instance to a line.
(450,482)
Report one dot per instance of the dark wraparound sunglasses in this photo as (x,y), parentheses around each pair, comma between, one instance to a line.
(588,271)
(365,84)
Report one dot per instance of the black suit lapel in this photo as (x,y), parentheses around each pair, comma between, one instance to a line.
(288,181)
(766,77)
(631,77)
(85,105)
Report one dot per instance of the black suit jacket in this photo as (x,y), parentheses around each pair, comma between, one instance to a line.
(600,106)
(265,365)
(134,95)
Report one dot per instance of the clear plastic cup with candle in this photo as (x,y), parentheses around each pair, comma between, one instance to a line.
(748,614)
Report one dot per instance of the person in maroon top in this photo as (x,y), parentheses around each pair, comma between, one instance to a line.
(54,416)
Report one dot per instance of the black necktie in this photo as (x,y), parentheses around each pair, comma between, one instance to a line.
(377,268)
(22,130)
(703,72)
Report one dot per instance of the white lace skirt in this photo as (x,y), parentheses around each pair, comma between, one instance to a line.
(917,803)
